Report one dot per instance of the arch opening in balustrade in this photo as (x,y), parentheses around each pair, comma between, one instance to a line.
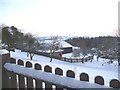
(20,62)
(70,73)
(28,64)
(99,80)
(58,71)
(13,60)
(38,66)
(115,83)
(84,77)
(47,68)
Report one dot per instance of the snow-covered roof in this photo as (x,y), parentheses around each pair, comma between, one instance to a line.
(48,40)
(65,44)
(3,51)
(62,43)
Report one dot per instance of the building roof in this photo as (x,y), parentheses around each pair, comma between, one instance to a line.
(62,43)
(47,40)
(65,44)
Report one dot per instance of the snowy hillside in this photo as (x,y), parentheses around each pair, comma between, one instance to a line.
(93,69)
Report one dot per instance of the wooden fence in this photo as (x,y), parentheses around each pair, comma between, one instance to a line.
(73,60)
(58,56)
(12,79)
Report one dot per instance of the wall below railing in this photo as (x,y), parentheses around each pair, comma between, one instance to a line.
(58,71)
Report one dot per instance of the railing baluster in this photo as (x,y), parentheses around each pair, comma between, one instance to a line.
(38,82)
(58,87)
(30,83)
(48,85)
(29,79)
(13,80)
(21,78)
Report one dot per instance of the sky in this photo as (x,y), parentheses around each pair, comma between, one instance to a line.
(61,17)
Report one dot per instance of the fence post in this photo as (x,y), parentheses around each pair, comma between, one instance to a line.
(86,59)
(5,73)
(71,60)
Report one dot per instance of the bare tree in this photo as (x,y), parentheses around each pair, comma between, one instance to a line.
(31,45)
(53,45)
(76,52)
(83,50)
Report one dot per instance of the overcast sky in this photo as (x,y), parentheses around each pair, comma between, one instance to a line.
(61,17)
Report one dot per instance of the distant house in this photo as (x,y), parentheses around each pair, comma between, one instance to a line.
(66,47)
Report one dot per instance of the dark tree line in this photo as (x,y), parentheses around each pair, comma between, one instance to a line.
(105,46)
(10,36)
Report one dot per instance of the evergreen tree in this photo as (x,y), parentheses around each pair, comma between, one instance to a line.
(7,38)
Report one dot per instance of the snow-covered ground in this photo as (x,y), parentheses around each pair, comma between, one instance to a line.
(93,69)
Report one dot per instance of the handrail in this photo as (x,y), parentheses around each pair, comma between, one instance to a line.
(52,78)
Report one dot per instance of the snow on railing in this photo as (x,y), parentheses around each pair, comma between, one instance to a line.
(51,78)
